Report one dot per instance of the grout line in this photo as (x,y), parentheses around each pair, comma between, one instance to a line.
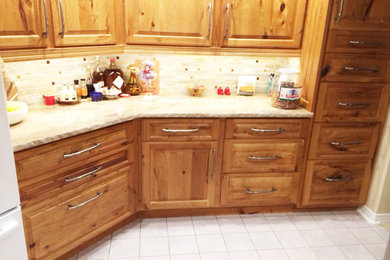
(250,235)
(196,238)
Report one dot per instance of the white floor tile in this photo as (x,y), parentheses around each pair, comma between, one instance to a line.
(275,215)
(281,223)
(238,242)
(122,248)
(206,225)
(244,255)
(304,222)
(256,222)
(180,245)
(303,213)
(154,227)
(382,232)
(316,238)
(166,257)
(378,250)
(342,237)
(180,226)
(231,224)
(185,257)
(265,240)
(154,246)
(291,239)
(97,251)
(301,254)
(351,220)
(367,235)
(211,243)
(131,230)
(327,220)
(329,253)
(273,254)
(215,256)
(357,252)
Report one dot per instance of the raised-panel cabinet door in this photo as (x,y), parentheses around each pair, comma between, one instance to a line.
(22,24)
(179,175)
(263,23)
(361,15)
(84,22)
(169,22)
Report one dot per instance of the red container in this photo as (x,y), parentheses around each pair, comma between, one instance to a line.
(50,100)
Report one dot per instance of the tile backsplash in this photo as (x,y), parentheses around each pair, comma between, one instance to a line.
(34,78)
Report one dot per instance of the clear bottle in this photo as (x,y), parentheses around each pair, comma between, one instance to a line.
(98,71)
(113,76)
(77,88)
(84,89)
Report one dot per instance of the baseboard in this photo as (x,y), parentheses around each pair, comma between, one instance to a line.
(372,217)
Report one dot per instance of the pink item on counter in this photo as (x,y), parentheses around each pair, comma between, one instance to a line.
(220,91)
(50,100)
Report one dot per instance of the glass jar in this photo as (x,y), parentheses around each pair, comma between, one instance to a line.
(284,93)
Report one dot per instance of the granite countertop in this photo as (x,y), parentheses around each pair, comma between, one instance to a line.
(45,124)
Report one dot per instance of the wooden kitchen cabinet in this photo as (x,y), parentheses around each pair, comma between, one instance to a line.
(262,24)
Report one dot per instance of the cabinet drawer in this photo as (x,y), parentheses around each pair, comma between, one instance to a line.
(266,128)
(331,141)
(60,226)
(358,42)
(258,190)
(180,129)
(336,183)
(352,102)
(263,155)
(356,68)
(72,152)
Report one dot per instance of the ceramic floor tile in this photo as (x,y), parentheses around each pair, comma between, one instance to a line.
(303,213)
(329,253)
(342,237)
(206,225)
(211,243)
(256,222)
(215,256)
(154,227)
(185,257)
(351,220)
(180,226)
(367,235)
(180,245)
(327,221)
(382,232)
(238,242)
(265,240)
(377,250)
(231,224)
(304,222)
(301,254)
(166,257)
(316,238)
(291,239)
(275,215)
(244,255)
(131,230)
(154,246)
(97,251)
(122,248)
(357,252)
(281,223)
(273,254)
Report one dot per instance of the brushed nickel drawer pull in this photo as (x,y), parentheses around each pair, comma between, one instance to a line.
(344,104)
(45,33)
(227,21)
(260,191)
(340,13)
(100,193)
(343,144)
(360,69)
(214,158)
(209,26)
(67,155)
(338,178)
(62,33)
(280,130)
(180,130)
(365,44)
(276,157)
(67,179)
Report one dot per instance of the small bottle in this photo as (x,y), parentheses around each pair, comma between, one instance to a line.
(72,93)
(77,88)
(64,93)
(84,89)
(98,71)
(113,76)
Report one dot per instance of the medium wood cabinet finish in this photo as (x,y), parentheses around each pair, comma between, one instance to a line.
(263,24)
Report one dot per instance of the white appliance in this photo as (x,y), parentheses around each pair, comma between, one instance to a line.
(12,242)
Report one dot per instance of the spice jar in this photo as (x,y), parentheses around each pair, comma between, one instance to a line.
(284,92)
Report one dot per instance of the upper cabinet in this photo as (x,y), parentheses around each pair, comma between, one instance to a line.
(361,15)
(263,23)
(169,22)
(84,22)
(22,24)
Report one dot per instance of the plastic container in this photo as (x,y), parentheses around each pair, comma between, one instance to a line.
(284,92)
(96,96)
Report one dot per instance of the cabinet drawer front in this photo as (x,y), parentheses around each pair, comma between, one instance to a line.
(358,42)
(180,129)
(266,128)
(263,156)
(336,183)
(353,102)
(343,140)
(257,190)
(77,216)
(355,68)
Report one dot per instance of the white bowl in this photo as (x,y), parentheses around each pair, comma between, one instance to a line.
(17,115)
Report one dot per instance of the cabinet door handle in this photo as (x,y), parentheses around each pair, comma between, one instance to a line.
(67,155)
(213,167)
(276,157)
(62,33)
(68,179)
(209,26)
(338,178)
(249,191)
(365,44)
(227,21)
(100,193)
(340,13)
(345,104)
(180,130)
(344,144)
(45,33)
(360,69)
(280,130)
